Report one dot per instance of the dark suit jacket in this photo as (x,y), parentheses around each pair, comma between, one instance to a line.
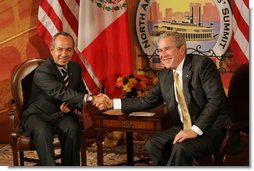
(48,91)
(203,90)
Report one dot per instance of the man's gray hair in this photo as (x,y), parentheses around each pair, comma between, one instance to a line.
(179,38)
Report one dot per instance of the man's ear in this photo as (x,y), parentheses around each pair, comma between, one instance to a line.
(51,49)
(183,49)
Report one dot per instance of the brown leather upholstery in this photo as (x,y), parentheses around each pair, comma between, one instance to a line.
(22,73)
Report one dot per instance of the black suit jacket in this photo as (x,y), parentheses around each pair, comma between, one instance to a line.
(203,90)
(48,91)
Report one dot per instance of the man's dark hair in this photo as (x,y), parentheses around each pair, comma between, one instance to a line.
(63,33)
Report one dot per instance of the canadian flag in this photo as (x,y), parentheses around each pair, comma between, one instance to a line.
(103,40)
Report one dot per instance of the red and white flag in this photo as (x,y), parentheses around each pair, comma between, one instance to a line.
(99,29)
(104,40)
(239,43)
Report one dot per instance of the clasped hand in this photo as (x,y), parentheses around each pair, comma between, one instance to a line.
(65,108)
(102,102)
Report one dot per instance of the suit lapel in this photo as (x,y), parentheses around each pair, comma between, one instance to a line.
(70,76)
(172,105)
(56,70)
(187,73)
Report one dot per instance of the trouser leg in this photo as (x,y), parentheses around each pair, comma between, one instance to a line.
(42,136)
(159,145)
(183,153)
(70,137)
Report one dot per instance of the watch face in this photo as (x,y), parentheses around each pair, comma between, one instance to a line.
(90,98)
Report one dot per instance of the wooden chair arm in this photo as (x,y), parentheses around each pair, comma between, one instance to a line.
(12,111)
(238,126)
(12,118)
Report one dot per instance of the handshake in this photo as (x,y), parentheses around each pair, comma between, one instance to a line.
(102,102)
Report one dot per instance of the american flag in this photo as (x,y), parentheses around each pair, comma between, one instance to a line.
(63,15)
(66,15)
(239,43)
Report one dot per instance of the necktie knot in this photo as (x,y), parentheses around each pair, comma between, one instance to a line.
(63,70)
(177,80)
(176,76)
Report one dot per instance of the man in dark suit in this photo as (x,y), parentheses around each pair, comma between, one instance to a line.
(57,96)
(204,96)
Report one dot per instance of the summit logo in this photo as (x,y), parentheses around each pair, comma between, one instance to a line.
(206,26)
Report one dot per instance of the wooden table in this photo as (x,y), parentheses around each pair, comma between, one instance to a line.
(129,124)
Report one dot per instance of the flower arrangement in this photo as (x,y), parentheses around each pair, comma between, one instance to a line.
(135,85)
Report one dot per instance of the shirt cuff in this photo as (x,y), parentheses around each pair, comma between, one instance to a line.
(197,130)
(117,104)
(85,98)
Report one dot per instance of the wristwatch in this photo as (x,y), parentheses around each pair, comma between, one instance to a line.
(90,98)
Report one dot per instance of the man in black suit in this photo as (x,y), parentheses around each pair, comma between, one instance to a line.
(204,96)
(57,96)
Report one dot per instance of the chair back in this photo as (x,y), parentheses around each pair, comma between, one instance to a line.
(21,82)
(238,92)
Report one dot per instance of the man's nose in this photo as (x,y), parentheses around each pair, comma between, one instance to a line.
(64,52)
(161,56)
(163,53)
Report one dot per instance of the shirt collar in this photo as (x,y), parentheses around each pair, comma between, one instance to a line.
(60,67)
(179,68)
